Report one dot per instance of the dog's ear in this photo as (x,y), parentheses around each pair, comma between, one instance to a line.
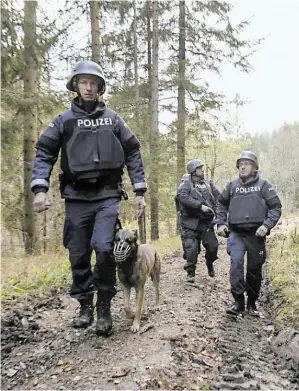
(136,233)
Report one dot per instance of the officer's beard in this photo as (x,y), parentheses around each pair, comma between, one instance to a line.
(248,177)
(198,178)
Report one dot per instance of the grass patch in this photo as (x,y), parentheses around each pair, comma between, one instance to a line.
(23,275)
(284,273)
(167,246)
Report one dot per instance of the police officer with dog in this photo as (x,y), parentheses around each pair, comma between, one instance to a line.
(198,202)
(248,209)
(96,144)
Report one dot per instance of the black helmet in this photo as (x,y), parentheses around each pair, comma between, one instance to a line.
(193,165)
(249,156)
(86,68)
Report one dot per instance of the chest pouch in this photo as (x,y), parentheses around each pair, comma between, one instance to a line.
(249,208)
(93,152)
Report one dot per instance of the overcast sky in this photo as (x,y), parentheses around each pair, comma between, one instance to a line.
(273,85)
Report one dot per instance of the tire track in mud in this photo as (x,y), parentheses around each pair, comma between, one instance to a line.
(190,344)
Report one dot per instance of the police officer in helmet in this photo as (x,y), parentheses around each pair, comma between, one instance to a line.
(248,209)
(198,201)
(96,145)
(177,206)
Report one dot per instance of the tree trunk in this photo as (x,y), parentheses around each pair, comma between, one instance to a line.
(141,221)
(30,120)
(153,182)
(95,30)
(181,98)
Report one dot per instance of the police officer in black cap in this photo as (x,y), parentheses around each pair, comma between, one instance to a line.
(198,201)
(96,144)
(248,209)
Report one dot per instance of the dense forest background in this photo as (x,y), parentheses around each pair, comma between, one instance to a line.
(155,56)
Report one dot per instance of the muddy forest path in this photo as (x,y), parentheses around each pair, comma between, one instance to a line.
(190,344)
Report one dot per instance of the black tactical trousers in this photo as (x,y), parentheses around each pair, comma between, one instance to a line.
(237,244)
(91,226)
(181,235)
(192,240)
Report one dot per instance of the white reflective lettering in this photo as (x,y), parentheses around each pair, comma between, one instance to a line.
(95,122)
(246,190)
(198,186)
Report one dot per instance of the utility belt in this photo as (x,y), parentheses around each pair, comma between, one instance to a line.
(244,230)
(113,182)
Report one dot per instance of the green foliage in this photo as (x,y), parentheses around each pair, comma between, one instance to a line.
(49,103)
(40,281)
(279,161)
(11,45)
(284,274)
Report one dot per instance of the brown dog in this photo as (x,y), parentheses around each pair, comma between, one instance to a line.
(135,263)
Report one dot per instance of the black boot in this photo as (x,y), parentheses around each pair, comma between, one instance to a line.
(252,309)
(191,277)
(238,307)
(85,316)
(104,321)
(210,267)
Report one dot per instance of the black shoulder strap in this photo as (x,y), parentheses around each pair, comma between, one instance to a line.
(208,184)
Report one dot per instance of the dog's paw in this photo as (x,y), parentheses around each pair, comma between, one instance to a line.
(135,327)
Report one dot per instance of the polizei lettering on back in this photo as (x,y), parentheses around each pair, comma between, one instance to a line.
(247,189)
(88,123)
